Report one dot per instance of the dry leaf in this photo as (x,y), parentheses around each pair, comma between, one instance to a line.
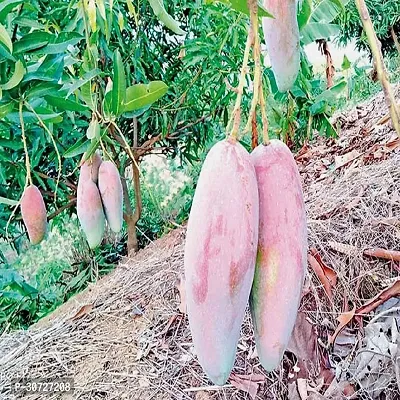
(343,319)
(246,383)
(383,253)
(303,344)
(385,295)
(182,295)
(326,275)
(84,310)
(341,161)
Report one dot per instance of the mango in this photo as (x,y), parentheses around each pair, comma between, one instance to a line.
(220,254)
(282,251)
(91,167)
(34,214)
(90,208)
(110,188)
(282,39)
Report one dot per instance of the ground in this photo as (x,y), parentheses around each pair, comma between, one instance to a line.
(127,337)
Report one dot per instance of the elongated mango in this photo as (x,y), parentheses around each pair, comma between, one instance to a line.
(34,214)
(220,253)
(110,188)
(282,39)
(90,208)
(282,251)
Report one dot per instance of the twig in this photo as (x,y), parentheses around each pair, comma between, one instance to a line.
(383,313)
(61,209)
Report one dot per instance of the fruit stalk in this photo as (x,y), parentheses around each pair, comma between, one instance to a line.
(236,111)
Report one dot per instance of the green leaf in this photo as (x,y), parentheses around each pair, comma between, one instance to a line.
(82,81)
(328,10)
(346,64)
(43,88)
(119,85)
(160,12)
(50,70)
(6,108)
(331,94)
(241,6)
(32,41)
(11,144)
(8,202)
(141,95)
(61,43)
(304,14)
(65,104)
(93,129)
(314,31)
(6,6)
(78,148)
(5,53)
(16,77)
(5,38)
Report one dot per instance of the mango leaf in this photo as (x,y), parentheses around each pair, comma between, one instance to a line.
(8,202)
(61,43)
(43,88)
(16,77)
(50,70)
(82,81)
(6,6)
(11,144)
(136,113)
(78,148)
(32,41)
(160,12)
(65,104)
(5,52)
(304,15)
(6,108)
(141,95)
(241,6)
(119,85)
(5,38)
(315,30)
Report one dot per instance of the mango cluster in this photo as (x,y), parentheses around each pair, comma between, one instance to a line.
(246,241)
(34,214)
(99,199)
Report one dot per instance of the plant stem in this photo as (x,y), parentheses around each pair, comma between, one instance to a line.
(380,65)
(27,162)
(236,111)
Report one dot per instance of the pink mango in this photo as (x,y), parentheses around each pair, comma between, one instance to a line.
(282,38)
(220,253)
(34,214)
(90,209)
(282,251)
(110,188)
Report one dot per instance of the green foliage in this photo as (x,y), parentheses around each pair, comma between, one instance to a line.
(385,15)
(43,277)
